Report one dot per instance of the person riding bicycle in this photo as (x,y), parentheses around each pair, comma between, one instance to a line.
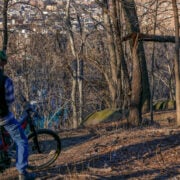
(9,122)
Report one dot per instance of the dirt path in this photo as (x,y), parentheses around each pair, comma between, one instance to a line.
(111,152)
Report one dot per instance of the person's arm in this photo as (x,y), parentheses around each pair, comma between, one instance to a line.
(9,92)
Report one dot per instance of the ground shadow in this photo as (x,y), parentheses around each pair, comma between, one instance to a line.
(126,154)
(170,173)
(77,140)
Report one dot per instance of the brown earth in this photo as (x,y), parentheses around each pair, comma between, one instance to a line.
(112,151)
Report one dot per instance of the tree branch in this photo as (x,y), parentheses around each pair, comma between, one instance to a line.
(150,37)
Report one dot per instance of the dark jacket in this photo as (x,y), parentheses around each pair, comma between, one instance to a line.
(3,104)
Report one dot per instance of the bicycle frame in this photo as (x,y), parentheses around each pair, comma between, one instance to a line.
(4,135)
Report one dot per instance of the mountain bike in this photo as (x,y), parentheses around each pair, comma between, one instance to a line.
(44,145)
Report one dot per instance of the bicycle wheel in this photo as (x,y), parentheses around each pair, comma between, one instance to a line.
(47,150)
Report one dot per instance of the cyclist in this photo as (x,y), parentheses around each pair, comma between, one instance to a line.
(9,122)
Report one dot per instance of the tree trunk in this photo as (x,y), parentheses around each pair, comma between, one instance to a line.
(74,68)
(80,87)
(150,37)
(134,117)
(113,80)
(5,28)
(122,70)
(152,65)
(118,67)
(73,94)
(133,26)
(80,73)
(177,60)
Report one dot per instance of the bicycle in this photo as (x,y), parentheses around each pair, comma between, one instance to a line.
(44,144)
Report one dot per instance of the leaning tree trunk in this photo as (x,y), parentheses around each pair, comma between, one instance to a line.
(177,60)
(133,26)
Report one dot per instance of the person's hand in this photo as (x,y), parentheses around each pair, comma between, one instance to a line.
(29,107)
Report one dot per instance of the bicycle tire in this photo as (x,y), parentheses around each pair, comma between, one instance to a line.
(50,148)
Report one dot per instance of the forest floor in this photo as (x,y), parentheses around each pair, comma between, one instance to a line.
(113,151)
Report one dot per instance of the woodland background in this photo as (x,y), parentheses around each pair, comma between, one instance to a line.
(127,59)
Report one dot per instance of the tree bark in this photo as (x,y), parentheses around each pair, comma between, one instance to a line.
(150,37)
(177,60)
(152,65)
(135,117)
(122,70)
(118,68)
(80,87)
(133,26)
(73,94)
(74,67)
(5,28)
(113,80)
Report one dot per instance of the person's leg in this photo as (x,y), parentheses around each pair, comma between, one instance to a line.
(17,134)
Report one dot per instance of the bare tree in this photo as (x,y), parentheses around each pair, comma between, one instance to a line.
(117,78)
(177,60)
(135,115)
(77,70)
(132,23)
(74,66)
(152,63)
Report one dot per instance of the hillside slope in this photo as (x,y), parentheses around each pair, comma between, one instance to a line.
(111,151)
